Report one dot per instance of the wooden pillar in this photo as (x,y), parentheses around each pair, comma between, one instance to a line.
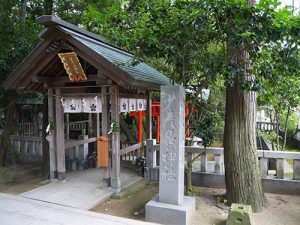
(140,126)
(149,117)
(158,128)
(104,128)
(105,112)
(51,137)
(60,137)
(95,127)
(67,126)
(90,133)
(115,117)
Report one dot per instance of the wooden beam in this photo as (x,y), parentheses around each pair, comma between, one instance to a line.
(54,81)
(115,117)
(60,137)
(35,59)
(79,142)
(129,95)
(132,148)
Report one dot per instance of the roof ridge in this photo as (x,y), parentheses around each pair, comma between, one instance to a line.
(50,20)
(112,47)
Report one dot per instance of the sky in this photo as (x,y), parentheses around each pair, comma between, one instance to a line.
(290,2)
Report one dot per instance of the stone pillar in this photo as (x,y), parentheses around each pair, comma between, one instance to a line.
(280,168)
(150,153)
(203,161)
(264,167)
(217,163)
(171,206)
(296,169)
(172,131)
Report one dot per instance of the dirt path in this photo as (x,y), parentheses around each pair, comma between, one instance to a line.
(131,207)
(282,210)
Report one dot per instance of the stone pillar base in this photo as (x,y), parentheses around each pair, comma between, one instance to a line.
(163,213)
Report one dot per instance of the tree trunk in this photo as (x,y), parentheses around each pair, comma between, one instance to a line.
(10,128)
(48,7)
(285,128)
(45,144)
(188,178)
(23,16)
(242,171)
(277,131)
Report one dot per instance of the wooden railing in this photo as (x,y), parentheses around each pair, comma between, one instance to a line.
(29,129)
(79,127)
(130,152)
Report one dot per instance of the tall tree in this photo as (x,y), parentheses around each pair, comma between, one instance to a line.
(242,171)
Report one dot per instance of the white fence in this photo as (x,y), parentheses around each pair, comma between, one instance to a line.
(211,172)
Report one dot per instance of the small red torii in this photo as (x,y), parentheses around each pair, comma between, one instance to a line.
(156,113)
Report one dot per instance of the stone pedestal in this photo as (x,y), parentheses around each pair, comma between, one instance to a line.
(171,206)
(163,213)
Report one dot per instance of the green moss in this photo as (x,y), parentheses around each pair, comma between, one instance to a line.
(6,175)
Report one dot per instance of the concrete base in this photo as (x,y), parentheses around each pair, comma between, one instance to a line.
(163,213)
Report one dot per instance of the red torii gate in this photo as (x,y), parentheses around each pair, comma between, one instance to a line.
(156,113)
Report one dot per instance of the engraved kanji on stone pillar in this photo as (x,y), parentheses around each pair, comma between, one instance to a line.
(172,130)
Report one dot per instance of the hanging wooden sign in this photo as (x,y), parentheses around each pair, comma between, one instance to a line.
(72,66)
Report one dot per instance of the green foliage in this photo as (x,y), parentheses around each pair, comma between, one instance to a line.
(207,124)
(272,136)
(192,37)
(292,123)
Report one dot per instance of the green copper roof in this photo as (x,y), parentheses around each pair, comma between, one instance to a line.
(122,59)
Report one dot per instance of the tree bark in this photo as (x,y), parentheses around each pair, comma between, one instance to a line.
(10,128)
(285,128)
(23,16)
(48,7)
(277,131)
(242,172)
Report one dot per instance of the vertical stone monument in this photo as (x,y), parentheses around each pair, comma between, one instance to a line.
(171,206)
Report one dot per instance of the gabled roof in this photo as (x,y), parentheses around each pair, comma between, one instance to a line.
(115,60)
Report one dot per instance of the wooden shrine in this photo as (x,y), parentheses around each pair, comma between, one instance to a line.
(109,77)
